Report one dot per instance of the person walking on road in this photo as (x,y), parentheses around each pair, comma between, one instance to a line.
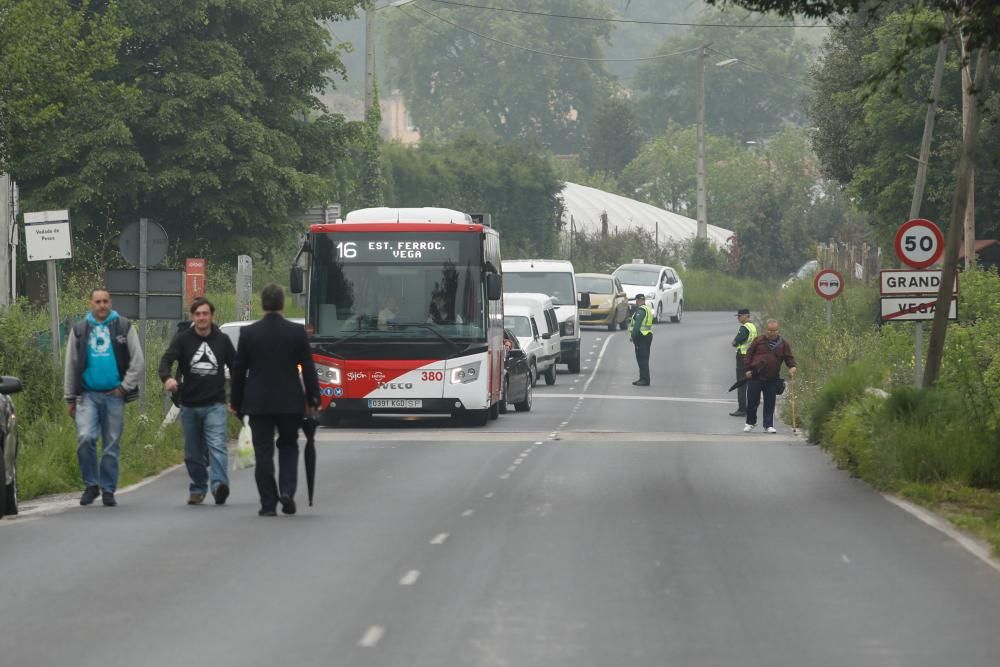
(641,335)
(268,388)
(744,336)
(202,353)
(104,366)
(763,372)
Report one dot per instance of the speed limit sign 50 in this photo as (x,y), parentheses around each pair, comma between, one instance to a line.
(919,243)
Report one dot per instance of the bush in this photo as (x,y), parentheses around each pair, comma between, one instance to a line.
(47,460)
(950,433)
(715,290)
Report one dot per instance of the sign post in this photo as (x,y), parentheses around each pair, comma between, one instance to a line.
(919,243)
(828,284)
(143,244)
(47,237)
(244,287)
(194,279)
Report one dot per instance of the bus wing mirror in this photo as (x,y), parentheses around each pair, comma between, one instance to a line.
(584,300)
(295,280)
(494,290)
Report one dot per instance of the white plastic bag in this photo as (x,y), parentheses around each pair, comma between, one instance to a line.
(244,447)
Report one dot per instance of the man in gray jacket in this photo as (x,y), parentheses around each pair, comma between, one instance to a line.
(104,366)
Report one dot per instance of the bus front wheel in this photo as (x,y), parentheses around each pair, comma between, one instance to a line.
(477,417)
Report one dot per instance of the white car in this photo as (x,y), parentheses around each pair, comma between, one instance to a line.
(661,285)
(520,322)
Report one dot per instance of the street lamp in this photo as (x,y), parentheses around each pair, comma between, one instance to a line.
(700,173)
(370,49)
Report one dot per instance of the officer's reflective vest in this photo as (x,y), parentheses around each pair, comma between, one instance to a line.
(646,328)
(745,345)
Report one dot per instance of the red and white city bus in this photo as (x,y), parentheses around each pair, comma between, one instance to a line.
(405,314)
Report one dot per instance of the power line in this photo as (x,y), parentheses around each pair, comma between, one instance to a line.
(611,20)
(547,53)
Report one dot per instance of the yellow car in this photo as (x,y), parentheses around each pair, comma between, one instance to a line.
(602,301)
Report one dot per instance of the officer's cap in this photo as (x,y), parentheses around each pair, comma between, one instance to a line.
(640,297)
(743,311)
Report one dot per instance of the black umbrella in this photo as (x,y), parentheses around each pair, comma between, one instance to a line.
(309,425)
(738,383)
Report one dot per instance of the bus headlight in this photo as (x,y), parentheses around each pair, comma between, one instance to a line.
(328,374)
(465,374)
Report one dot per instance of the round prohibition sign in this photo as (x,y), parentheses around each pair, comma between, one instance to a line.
(828,284)
(919,243)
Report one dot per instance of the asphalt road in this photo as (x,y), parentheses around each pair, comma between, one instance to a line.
(611,525)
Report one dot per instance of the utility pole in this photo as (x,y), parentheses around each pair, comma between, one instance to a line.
(970,211)
(702,217)
(369,57)
(918,189)
(6,249)
(935,347)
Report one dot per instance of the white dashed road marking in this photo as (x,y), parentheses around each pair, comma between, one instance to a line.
(410,578)
(439,538)
(372,637)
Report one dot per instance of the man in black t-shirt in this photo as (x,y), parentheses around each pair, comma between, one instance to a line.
(202,352)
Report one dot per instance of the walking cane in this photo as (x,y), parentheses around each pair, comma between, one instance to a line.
(794,430)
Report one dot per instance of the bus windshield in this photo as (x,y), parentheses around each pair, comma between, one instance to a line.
(397,286)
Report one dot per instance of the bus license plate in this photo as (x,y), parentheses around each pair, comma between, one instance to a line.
(394,403)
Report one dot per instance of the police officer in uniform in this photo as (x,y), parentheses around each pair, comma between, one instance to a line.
(744,336)
(641,335)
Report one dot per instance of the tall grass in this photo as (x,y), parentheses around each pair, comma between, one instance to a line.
(947,435)
(716,290)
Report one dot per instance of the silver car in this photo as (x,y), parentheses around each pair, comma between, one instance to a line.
(8,445)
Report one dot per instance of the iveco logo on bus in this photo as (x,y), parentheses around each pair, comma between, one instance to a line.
(395,385)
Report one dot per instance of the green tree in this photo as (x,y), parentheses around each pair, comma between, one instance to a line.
(863,135)
(770,195)
(223,139)
(52,50)
(613,136)
(457,79)
(517,186)
(750,99)
(979,20)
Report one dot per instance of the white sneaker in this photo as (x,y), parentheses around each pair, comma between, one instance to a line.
(748,428)
(771,429)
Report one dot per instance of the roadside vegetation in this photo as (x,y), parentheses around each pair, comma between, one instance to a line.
(939,447)
(47,460)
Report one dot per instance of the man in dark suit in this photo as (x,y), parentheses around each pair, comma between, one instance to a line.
(267,387)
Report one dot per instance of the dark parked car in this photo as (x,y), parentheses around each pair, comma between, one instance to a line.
(517,384)
(8,445)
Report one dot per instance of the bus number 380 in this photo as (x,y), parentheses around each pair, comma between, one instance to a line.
(432,376)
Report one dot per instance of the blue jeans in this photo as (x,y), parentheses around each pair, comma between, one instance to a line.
(205,452)
(99,415)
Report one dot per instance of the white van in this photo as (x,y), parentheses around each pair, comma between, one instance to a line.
(533,321)
(554,277)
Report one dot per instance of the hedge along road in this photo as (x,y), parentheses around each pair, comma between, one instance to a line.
(634,526)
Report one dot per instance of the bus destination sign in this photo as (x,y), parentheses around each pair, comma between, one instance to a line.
(395,248)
